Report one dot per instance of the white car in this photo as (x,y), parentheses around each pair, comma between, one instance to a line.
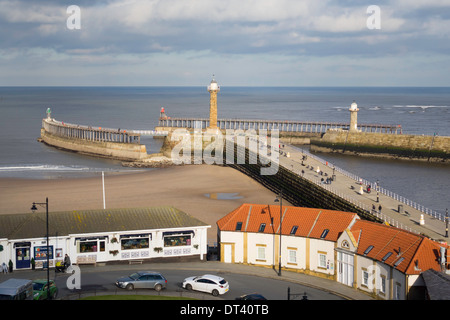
(207,283)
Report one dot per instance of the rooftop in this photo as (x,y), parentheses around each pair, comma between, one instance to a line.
(296,221)
(33,225)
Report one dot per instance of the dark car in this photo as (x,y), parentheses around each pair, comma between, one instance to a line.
(251,296)
(142,280)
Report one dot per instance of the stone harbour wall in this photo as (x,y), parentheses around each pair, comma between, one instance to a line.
(111,150)
(412,147)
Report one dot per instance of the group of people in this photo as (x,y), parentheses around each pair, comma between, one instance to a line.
(374,210)
(64,265)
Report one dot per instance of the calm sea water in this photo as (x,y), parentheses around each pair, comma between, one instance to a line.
(417,110)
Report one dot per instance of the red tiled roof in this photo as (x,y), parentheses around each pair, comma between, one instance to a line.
(311,222)
(408,252)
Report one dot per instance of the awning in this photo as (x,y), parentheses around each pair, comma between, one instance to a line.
(178,233)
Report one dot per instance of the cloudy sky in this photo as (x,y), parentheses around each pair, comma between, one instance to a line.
(242,42)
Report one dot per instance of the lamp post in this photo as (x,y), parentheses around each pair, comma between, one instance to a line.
(446,223)
(378,191)
(33,209)
(279,198)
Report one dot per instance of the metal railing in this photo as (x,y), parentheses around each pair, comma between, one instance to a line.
(384,191)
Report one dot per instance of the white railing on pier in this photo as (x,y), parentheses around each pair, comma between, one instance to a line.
(393,195)
(353,201)
(151,133)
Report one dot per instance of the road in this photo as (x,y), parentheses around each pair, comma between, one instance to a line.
(102,281)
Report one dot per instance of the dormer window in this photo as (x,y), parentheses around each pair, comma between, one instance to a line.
(293,230)
(262,227)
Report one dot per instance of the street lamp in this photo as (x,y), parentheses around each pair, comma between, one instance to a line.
(33,209)
(446,223)
(378,191)
(279,198)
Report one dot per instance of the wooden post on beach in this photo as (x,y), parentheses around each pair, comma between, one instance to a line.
(103,185)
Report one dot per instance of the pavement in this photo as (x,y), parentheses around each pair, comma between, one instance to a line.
(348,188)
(212,266)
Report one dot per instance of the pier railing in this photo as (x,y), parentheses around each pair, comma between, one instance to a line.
(381,190)
(366,208)
(280,125)
(68,130)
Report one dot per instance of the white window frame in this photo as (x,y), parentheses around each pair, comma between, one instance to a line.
(322,260)
(382,284)
(261,253)
(292,256)
(365,278)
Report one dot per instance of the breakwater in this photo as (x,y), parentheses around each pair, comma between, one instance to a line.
(100,142)
(410,147)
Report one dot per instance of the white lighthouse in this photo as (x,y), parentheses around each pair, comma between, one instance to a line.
(353,117)
(213,89)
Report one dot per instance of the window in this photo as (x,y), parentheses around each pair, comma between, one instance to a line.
(365,278)
(294,230)
(177,241)
(87,246)
(261,253)
(262,227)
(382,284)
(134,243)
(102,245)
(398,262)
(292,256)
(366,252)
(322,260)
(238,226)
(324,234)
(91,245)
(386,256)
(398,289)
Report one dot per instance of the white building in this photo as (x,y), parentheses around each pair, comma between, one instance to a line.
(91,236)
(380,260)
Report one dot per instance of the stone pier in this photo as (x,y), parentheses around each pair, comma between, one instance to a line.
(101,142)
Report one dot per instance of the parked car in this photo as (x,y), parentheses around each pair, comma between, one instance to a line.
(207,283)
(16,289)
(40,289)
(251,296)
(143,280)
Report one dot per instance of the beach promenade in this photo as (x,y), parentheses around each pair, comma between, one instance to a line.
(408,218)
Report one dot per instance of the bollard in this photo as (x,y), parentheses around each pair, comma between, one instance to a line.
(400,208)
(422,220)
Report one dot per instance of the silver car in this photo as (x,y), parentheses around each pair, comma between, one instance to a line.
(142,280)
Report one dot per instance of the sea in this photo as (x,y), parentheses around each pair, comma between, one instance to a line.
(419,110)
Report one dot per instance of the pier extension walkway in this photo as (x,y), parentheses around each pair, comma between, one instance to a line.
(395,210)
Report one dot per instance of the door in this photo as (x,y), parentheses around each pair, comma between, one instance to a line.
(23,258)
(141,282)
(227,253)
(345,268)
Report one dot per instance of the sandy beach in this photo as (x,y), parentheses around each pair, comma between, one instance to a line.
(183,187)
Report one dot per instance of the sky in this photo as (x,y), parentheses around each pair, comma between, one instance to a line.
(240,42)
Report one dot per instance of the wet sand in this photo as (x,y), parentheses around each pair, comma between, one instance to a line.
(183,187)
